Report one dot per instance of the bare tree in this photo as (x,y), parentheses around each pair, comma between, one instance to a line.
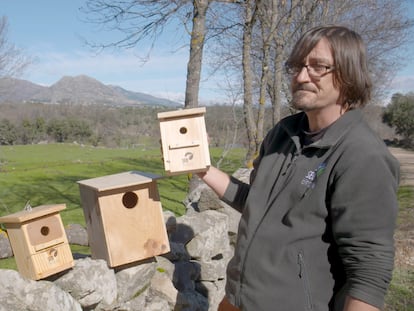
(264,21)
(255,37)
(386,29)
(250,8)
(270,28)
(231,132)
(12,60)
(147,19)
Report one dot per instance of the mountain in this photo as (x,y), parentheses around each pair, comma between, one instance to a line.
(76,90)
(142,97)
(13,90)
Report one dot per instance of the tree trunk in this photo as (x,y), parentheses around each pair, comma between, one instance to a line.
(248,85)
(263,86)
(277,87)
(196,53)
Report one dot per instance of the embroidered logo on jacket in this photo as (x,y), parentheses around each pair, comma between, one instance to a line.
(310,179)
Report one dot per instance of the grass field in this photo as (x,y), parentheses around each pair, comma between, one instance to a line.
(48,174)
(401,293)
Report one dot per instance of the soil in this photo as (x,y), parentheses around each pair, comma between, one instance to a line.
(406,159)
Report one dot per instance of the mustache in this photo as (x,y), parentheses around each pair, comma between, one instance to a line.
(303,87)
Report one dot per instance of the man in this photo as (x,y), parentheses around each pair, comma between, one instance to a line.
(318,217)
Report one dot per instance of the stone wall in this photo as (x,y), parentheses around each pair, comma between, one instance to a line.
(190,277)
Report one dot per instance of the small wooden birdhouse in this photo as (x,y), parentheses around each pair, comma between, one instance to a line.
(184,141)
(124,218)
(39,241)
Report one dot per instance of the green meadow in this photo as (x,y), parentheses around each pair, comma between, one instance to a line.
(48,174)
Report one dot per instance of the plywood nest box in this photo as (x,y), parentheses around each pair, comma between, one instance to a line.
(184,141)
(124,218)
(39,241)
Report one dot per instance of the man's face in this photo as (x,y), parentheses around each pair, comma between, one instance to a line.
(315,94)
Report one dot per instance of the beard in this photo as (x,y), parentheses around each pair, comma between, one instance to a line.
(303,100)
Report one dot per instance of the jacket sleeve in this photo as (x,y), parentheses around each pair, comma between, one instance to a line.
(236,194)
(363,210)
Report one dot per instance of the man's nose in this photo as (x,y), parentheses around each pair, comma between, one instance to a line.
(303,75)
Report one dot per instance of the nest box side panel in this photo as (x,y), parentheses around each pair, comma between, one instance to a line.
(185,145)
(93,221)
(134,224)
(20,247)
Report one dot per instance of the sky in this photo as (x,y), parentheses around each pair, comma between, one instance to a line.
(52,32)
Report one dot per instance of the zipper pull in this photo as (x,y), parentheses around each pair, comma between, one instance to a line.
(291,163)
(300,263)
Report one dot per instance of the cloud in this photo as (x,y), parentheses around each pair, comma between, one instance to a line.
(160,72)
(161,75)
(403,84)
(178,97)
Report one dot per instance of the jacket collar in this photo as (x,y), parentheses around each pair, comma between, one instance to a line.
(295,123)
(340,127)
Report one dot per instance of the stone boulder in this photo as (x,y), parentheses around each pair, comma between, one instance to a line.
(19,293)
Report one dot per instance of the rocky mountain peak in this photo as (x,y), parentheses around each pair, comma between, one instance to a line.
(80,89)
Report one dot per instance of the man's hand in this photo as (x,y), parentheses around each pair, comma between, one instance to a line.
(352,304)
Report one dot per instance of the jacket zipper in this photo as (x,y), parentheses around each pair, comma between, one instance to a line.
(305,280)
(290,167)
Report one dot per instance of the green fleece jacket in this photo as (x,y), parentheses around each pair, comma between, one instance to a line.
(317,222)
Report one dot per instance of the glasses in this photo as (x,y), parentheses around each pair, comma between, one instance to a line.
(314,70)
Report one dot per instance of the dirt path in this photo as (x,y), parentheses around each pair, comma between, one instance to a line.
(404,235)
(406,159)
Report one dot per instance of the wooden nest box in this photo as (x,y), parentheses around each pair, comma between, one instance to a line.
(124,218)
(39,241)
(184,141)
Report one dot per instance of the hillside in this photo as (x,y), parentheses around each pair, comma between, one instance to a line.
(76,90)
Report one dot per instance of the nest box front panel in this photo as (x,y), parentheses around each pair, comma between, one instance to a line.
(51,260)
(185,145)
(134,224)
(46,232)
(39,241)
(50,248)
